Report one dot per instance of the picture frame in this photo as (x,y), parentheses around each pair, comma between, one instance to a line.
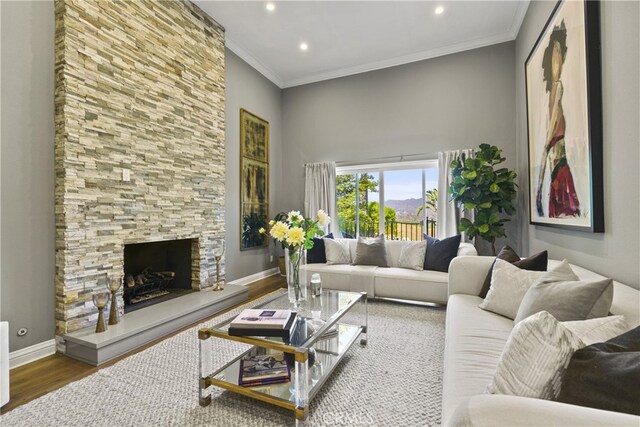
(254,180)
(564,120)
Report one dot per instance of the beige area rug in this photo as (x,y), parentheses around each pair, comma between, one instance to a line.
(395,381)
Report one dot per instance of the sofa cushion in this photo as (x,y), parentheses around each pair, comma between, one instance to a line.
(509,284)
(317,254)
(344,277)
(371,251)
(605,375)
(412,255)
(473,345)
(337,251)
(534,358)
(568,300)
(441,252)
(537,262)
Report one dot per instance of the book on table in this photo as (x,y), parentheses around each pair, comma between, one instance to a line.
(263,323)
(264,369)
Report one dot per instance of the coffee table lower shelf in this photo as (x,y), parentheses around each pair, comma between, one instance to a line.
(329,352)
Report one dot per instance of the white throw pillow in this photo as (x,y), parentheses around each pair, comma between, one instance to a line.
(597,330)
(535,358)
(509,284)
(337,251)
(412,255)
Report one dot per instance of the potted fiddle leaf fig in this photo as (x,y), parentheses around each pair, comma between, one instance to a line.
(478,185)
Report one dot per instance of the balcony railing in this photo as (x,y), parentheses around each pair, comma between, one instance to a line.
(396,230)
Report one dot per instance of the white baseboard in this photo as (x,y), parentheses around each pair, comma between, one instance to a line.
(243,281)
(32,353)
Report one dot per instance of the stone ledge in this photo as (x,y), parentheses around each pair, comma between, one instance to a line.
(148,324)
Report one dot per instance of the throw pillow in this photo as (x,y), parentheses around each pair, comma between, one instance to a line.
(412,255)
(567,300)
(605,375)
(534,358)
(371,251)
(509,284)
(441,252)
(537,262)
(337,251)
(597,330)
(317,255)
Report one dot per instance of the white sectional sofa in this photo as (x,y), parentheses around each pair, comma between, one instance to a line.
(388,282)
(474,341)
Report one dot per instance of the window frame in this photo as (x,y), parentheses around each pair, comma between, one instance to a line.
(380,168)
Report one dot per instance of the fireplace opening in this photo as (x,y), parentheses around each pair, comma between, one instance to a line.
(155,272)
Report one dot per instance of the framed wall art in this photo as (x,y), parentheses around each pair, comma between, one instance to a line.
(564,120)
(254,180)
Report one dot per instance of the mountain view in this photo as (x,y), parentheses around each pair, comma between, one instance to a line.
(405,209)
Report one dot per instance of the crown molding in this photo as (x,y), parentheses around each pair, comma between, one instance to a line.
(401,60)
(518,18)
(255,63)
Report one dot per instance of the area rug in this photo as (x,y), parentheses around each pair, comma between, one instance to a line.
(395,380)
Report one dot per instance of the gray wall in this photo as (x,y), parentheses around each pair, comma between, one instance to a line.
(246,88)
(450,102)
(616,252)
(28,248)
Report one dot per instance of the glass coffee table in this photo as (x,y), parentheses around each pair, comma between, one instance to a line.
(332,323)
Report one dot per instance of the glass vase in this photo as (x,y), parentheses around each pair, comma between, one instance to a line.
(296,276)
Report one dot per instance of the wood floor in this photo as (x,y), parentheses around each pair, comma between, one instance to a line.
(43,376)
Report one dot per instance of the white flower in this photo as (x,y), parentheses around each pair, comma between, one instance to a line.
(323,218)
(294,216)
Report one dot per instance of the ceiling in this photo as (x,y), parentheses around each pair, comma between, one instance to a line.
(350,37)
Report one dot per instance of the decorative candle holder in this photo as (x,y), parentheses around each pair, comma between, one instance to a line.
(218,256)
(114,284)
(100,301)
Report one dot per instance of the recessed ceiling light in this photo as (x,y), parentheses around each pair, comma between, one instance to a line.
(304,46)
(271,7)
(439,10)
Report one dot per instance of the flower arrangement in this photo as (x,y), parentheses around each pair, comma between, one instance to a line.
(295,233)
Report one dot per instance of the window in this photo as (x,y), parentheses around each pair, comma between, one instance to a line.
(399,199)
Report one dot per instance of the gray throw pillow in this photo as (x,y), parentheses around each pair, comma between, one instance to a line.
(371,251)
(567,300)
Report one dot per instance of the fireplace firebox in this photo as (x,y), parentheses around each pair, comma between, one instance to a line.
(155,272)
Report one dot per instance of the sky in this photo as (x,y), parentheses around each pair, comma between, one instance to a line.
(406,184)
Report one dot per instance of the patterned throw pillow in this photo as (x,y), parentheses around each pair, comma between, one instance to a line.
(535,358)
(337,251)
(412,255)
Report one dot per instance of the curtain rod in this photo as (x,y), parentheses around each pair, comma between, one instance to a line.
(400,158)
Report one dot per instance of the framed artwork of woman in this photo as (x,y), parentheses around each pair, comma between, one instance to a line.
(564,120)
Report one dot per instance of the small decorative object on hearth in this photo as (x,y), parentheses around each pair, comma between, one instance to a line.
(100,299)
(114,284)
(295,234)
(218,256)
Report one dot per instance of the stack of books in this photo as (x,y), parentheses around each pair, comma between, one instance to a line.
(263,370)
(263,323)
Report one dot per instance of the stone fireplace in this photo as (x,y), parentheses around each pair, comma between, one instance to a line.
(139,146)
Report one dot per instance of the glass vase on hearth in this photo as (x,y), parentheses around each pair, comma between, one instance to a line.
(295,260)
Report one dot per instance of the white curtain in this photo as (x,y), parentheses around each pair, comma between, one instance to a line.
(448,212)
(320,192)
